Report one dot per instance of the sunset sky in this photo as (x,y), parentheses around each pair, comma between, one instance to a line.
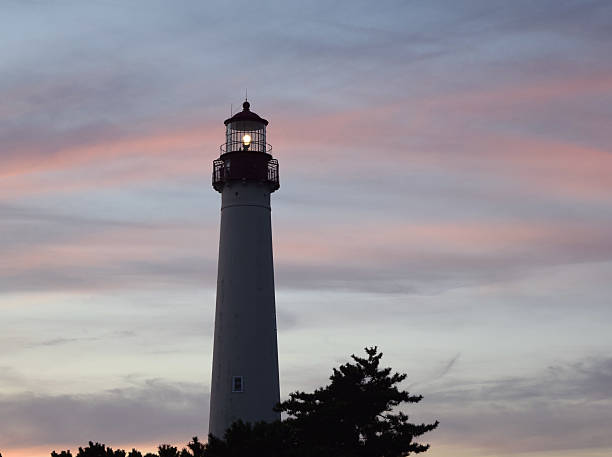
(446,194)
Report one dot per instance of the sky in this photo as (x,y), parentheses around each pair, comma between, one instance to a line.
(446,194)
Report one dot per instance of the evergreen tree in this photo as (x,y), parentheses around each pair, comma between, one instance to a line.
(354,416)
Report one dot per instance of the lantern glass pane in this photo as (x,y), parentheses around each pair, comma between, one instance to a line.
(236,131)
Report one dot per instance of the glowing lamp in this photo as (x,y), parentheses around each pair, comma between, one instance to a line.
(246,141)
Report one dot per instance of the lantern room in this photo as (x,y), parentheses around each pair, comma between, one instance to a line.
(245,131)
(245,155)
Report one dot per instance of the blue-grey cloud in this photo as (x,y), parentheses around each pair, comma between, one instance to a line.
(154,411)
(60,341)
(565,406)
(387,268)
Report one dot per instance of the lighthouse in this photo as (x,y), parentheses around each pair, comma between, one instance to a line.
(245,383)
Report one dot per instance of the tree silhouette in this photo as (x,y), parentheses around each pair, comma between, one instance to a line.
(260,439)
(166,450)
(61,454)
(352,416)
(99,450)
(195,446)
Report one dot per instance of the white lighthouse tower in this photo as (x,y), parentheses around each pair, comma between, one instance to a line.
(245,359)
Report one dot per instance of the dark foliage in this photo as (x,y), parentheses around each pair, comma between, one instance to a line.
(352,416)
(243,439)
(93,450)
(165,450)
(195,448)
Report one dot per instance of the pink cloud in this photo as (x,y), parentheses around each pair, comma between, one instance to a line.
(112,258)
(545,166)
(36,157)
(389,244)
(532,92)
(406,134)
(112,162)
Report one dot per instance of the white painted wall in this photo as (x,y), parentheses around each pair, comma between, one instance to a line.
(245,320)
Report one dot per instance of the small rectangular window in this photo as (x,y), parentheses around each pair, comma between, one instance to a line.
(237,384)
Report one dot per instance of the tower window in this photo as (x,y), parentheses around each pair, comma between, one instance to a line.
(237,384)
